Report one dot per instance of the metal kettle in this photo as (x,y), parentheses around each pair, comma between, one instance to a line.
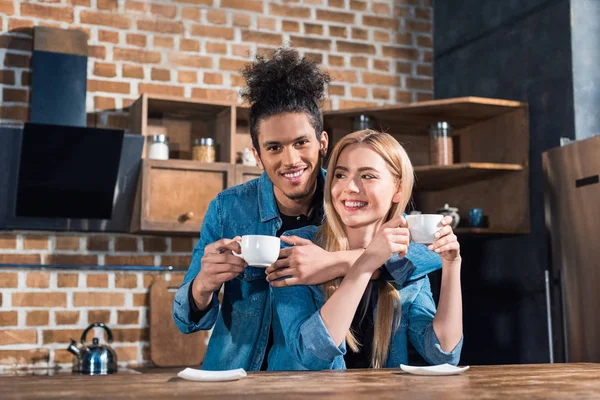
(94,359)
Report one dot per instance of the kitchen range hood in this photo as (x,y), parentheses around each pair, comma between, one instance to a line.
(61,174)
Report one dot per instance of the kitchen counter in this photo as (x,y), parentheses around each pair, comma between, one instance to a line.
(538,381)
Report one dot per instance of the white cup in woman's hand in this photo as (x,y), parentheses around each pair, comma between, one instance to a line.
(423,227)
(259,250)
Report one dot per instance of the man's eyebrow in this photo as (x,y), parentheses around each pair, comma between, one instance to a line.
(275,142)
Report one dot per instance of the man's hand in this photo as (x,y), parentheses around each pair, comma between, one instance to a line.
(219,265)
(303,264)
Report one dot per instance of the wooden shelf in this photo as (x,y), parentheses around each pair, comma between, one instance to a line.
(440,177)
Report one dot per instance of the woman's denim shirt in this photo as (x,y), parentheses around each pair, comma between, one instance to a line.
(309,344)
(243,319)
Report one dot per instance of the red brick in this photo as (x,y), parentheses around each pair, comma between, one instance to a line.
(16,43)
(380,22)
(24,357)
(67,280)
(314,57)
(187,76)
(419,84)
(136,6)
(335,16)
(105,19)
(188,60)
(216,48)
(97,280)
(136,56)
(290,26)
(129,260)
(99,316)
(128,317)
(356,5)
(160,26)
(15,95)
(335,61)
(159,74)
(7,77)
(176,261)
(266,24)
(64,14)
(336,90)
(17,60)
(403,96)
(382,36)
(97,52)
(189,45)
(166,11)
(424,41)
(370,78)
(97,243)
(381,65)
(417,26)
(212,32)
(427,56)
(165,42)
(38,279)
(359,91)
(108,86)
(105,69)
(35,242)
(128,281)
(214,94)
(132,71)
(313,29)
(243,20)
(345,104)
(400,53)
(149,279)
(403,67)
(402,11)
(381,93)
(9,279)
(240,50)
(18,258)
(21,26)
(423,13)
(141,299)
(336,3)
(262,37)
(7,7)
(343,75)
(96,299)
(289,11)
(125,243)
(216,17)
(358,33)
(108,36)
(66,317)
(8,241)
(237,80)
(352,47)
(62,335)
(37,318)
(35,299)
(227,64)
(9,318)
(71,259)
(26,78)
(211,78)
(381,8)
(311,43)
(104,103)
(110,5)
(191,14)
(62,356)
(126,353)
(248,5)
(426,70)
(136,39)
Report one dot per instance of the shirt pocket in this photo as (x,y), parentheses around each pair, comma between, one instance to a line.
(249,296)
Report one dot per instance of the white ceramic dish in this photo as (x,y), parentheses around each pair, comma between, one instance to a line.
(199,375)
(440,370)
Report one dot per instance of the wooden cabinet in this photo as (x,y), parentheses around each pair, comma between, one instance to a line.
(173,195)
(491,156)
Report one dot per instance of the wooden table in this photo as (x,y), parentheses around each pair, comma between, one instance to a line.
(539,381)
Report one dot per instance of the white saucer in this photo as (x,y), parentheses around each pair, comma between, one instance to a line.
(199,375)
(442,369)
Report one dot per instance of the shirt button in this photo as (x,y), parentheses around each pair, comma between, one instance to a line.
(298,218)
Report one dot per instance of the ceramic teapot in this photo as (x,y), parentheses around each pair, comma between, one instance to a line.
(451,211)
(94,359)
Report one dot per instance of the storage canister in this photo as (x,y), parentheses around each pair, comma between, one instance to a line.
(440,144)
(204,150)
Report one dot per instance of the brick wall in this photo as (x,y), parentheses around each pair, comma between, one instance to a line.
(40,311)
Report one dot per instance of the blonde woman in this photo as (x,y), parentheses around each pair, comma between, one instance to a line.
(358,322)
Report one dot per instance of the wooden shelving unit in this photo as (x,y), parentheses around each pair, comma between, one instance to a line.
(491,155)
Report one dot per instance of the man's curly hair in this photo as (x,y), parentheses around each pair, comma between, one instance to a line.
(284,83)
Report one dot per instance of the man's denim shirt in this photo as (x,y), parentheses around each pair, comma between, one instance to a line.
(297,313)
(241,327)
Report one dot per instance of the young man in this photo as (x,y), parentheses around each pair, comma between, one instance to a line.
(289,144)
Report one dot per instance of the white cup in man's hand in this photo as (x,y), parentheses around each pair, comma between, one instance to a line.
(259,250)
(422,227)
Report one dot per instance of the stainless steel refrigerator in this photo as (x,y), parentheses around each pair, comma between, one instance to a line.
(572,196)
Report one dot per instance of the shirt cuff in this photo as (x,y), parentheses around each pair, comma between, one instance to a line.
(400,268)
(320,343)
(196,314)
(438,356)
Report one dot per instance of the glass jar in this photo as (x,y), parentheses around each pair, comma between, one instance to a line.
(159,147)
(362,122)
(440,144)
(204,150)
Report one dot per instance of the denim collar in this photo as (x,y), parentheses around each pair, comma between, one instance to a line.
(267,205)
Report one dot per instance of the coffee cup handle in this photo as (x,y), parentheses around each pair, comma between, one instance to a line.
(240,254)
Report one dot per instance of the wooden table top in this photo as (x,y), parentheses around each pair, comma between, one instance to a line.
(538,381)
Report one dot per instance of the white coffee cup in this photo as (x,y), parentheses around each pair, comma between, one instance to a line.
(422,227)
(259,250)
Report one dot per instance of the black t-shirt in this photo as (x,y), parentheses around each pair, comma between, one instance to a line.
(363,330)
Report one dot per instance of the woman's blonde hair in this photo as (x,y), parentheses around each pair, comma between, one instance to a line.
(332,234)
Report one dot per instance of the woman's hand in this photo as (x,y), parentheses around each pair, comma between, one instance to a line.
(446,243)
(392,237)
